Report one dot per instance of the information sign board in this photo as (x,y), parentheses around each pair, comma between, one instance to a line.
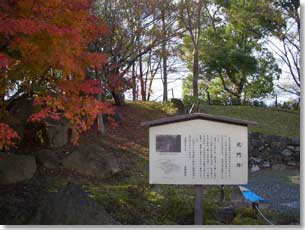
(198,152)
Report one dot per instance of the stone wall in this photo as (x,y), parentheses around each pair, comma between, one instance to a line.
(273,151)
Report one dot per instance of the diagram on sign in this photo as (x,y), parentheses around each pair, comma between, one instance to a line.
(168,166)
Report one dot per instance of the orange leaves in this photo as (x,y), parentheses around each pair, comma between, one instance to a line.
(48,39)
(10,27)
(80,88)
(116,82)
(96,59)
(7,136)
(73,103)
(51,33)
(91,87)
(4,61)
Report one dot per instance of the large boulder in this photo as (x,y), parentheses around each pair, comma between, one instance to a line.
(19,202)
(48,159)
(92,160)
(16,168)
(287,152)
(71,205)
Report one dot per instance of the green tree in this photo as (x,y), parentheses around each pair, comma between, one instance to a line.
(231,50)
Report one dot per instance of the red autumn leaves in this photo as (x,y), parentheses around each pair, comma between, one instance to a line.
(43,45)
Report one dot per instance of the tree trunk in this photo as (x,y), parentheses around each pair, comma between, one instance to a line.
(195,71)
(149,90)
(238,100)
(118,98)
(164,57)
(100,120)
(100,97)
(143,93)
(209,97)
(117,94)
(198,209)
(134,87)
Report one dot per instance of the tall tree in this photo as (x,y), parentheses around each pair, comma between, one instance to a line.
(164,55)
(231,48)
(132,26)
(170,31)
(192,19)
(43,55)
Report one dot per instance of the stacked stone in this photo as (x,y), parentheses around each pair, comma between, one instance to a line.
(273,151)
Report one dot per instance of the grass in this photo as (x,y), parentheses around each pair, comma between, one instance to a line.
(269,121)
(281,122)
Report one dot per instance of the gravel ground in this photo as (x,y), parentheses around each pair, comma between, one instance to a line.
(277,187)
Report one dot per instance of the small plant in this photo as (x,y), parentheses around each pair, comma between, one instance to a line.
(166,107)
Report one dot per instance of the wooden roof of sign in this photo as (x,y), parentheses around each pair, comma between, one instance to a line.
(196,116)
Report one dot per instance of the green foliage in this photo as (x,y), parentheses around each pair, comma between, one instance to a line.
(243,66)
(187,91)
(166,107)
(241,220)
(249,216)
(128,204)
(233,62)
(177,207)
(246,216)
(207,90)
(140,204)
(158,204)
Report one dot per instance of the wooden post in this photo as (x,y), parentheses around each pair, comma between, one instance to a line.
(198,210)
(222,193)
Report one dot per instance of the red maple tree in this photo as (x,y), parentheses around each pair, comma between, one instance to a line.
(43,53)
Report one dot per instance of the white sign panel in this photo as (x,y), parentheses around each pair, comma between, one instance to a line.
(198,152)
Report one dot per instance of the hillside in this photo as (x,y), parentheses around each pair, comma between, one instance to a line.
(269,121)
(272,121)
(126,194)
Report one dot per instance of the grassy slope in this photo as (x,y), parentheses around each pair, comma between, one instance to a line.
(269,121)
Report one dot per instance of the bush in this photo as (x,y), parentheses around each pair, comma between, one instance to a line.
(177,208)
